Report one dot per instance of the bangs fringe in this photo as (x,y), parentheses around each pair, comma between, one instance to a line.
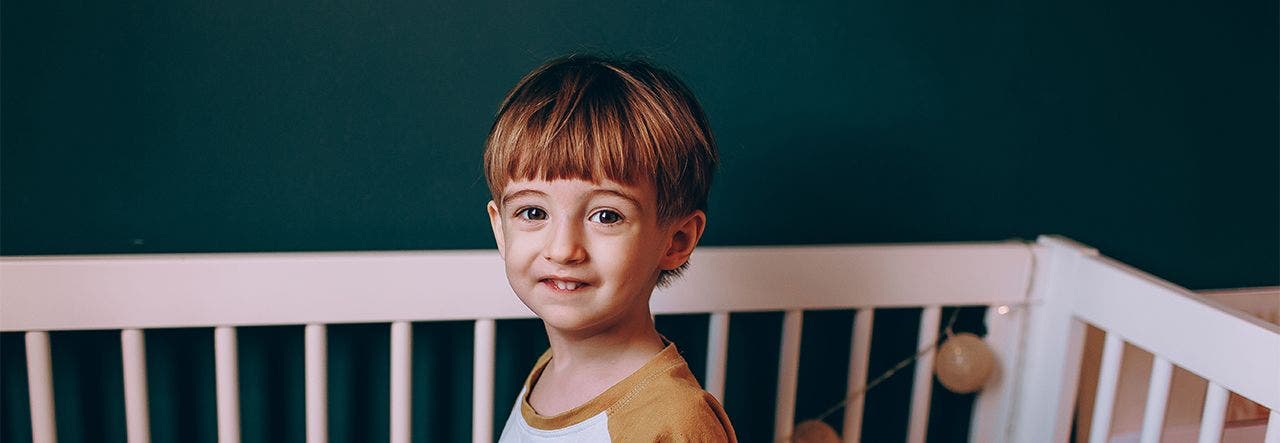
(596,121)
(584,136)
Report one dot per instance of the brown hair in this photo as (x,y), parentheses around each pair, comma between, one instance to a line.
(594,118)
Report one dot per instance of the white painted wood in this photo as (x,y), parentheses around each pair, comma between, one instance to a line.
(193,290)
(1196,333)
(482,382)
(227,375)
(717,353)
(994,403)
(1049,368)
(1273,427)
(1157,400)
(922,388)
(133,351)
(1186,392)
(788,373)
(1215,413)
(1105,400)
(401,381)
(317,367)
(40,387)
(1070,282)
(859,357)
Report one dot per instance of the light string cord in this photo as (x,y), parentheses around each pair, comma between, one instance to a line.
(947,333)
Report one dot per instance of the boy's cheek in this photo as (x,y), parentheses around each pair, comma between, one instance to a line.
(516,248)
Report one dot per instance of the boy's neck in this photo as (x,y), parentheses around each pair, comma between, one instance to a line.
(624,348)
(584,365)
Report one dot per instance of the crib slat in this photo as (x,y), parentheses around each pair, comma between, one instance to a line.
(922,389)
(482,382)
(1215,413)
(859,354)
(134,353)
(994,407)
(1108,375)
(1157,400)
(40,387)
(317,393)
(401,381)
(1273,428)
(227,371)
(717,353)
(788,370)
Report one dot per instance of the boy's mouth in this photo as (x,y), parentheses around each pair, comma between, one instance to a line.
(563,285)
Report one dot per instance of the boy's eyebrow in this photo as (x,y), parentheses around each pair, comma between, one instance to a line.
(521,193)
(506,199)
(619,194)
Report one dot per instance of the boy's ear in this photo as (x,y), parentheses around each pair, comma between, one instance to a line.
(495,222)
(683,237)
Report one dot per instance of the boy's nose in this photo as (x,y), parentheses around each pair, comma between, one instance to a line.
(565,245)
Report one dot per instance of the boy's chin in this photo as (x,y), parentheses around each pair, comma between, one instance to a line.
(568,322)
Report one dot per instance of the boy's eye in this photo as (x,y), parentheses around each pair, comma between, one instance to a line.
(606,216)
(532,214)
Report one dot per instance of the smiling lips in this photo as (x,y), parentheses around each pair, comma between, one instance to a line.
(563,285)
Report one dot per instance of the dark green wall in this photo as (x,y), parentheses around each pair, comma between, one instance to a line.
(1147,129)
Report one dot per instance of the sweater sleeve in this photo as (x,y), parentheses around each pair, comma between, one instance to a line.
(673,417)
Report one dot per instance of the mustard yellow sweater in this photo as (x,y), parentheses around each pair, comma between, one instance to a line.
(661,401)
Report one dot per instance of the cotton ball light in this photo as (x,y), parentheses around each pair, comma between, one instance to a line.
(814,431)
(964,363)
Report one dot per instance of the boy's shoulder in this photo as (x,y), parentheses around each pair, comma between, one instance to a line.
(670,406)
(664,402)
(660,401)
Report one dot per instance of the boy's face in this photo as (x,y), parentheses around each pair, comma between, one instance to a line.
(585,256)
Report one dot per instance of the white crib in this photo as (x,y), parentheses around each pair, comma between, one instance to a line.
(1043,294)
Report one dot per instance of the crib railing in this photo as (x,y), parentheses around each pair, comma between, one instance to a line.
(1030,399)
(136,292)
(1234,351)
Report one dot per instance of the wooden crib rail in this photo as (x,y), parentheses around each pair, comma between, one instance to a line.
(1068,284)
(1234,351)
(132,293)
(207,290)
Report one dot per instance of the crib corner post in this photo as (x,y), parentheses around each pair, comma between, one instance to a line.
(1049,370)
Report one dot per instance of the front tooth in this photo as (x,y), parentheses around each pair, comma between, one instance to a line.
(571,286)
(561,285)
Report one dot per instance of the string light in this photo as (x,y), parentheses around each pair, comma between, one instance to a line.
(812,426)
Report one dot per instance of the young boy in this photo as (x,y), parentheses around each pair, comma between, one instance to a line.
(599,172)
